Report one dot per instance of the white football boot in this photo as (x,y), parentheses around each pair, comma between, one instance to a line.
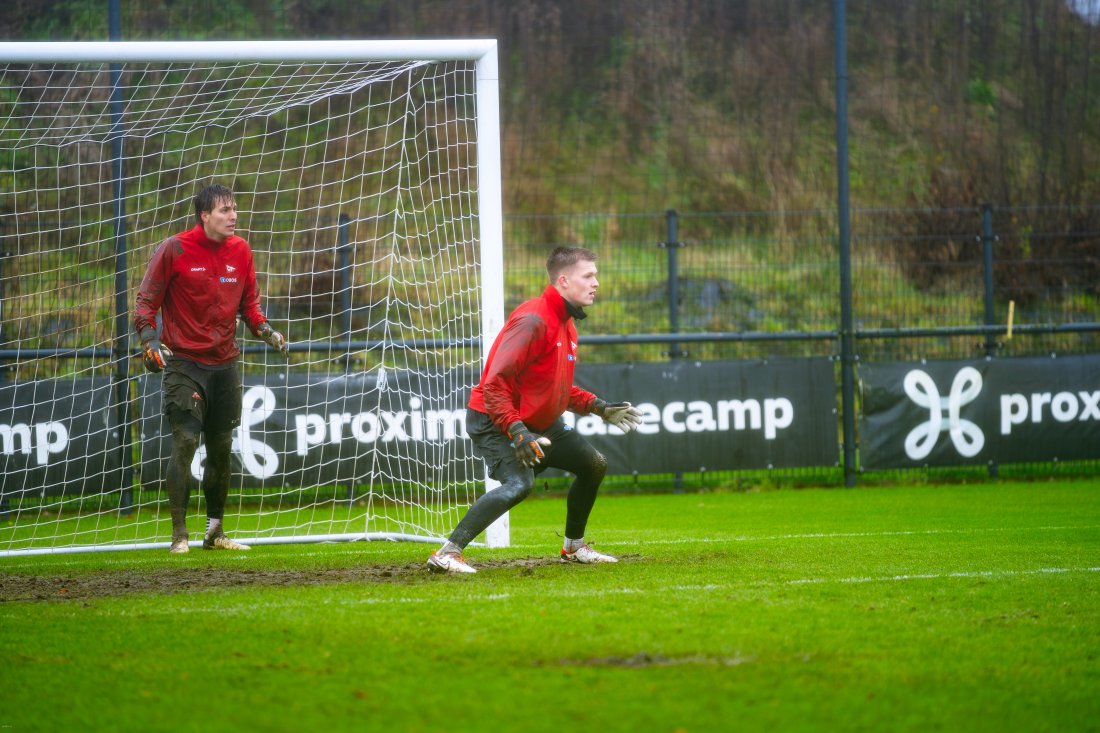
(448,563)
(586,556)
(221,542)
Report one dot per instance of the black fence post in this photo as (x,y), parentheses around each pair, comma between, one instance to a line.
(987,274)
(121,351)
(343,253)
(844,235)
(4,254)
(343,250)
(5,506)
(673,244)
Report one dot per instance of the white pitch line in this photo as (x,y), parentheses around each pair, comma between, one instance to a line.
(943,576)
(827,535)
(292,602)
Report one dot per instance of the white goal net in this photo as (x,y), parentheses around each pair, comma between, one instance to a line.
(367,178)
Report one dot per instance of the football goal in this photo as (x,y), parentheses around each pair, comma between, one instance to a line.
(367,179)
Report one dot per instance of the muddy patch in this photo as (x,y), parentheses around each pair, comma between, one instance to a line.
(645,659)
(192,579)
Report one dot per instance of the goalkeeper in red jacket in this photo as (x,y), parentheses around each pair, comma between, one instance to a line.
(515,412)
(201,280)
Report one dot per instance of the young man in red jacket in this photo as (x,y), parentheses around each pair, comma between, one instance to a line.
(515,413)
(200,280)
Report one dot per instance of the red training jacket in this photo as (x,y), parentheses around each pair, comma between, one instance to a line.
(200,286)
(529,373)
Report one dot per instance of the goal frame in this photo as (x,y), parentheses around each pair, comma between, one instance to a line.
(483,52)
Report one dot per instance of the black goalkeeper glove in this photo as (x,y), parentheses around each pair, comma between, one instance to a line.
(623,415)
(155,355)
(527,443)
(274,339)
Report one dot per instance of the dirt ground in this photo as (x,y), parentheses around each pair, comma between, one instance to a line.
(184,580)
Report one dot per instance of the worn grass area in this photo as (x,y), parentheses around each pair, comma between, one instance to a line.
(917,608)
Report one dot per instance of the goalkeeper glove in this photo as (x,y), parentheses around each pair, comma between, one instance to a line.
(154,355)
(274,339)
(527,443)
(622,415)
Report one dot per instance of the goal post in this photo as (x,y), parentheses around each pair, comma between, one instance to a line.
(368,182)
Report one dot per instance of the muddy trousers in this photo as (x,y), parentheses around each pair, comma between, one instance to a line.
(186,430)
(572,454)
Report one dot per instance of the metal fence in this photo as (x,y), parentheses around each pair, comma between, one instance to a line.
(927,283)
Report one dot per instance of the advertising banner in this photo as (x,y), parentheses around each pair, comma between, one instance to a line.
(717,415)
(58,437)
(341,430)
(945,413)
(361,428)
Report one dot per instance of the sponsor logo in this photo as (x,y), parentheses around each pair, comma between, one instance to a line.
(48,438)
(198,269)
(700,416)
(227,279)
(313,430)
(382,426)
(1016,409)
(967,437)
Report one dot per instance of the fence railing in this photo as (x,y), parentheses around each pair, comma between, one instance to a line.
(926,283)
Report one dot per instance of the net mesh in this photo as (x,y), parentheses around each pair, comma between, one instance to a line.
(356,185)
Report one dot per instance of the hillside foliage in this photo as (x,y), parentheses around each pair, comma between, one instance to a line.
(723,105)
(615,110)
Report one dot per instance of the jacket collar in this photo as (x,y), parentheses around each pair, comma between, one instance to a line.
(563,308)
(199,235)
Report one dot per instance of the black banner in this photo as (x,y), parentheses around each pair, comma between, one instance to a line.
(360,429)
(948,413)
(301,431)
(719,415)
(61,437)
(58,437)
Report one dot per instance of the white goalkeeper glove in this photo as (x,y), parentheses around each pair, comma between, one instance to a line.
(623,415)
(274,339)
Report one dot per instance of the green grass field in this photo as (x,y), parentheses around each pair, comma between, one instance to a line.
(962,607)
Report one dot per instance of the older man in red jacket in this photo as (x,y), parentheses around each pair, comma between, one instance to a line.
(200,280)
(515,412)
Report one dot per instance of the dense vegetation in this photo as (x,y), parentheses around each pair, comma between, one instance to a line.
(718,105)
(631,107)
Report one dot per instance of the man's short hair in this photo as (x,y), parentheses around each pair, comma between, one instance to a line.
(208,197)
(562,258)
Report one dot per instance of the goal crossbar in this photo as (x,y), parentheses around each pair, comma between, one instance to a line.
(483,51)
